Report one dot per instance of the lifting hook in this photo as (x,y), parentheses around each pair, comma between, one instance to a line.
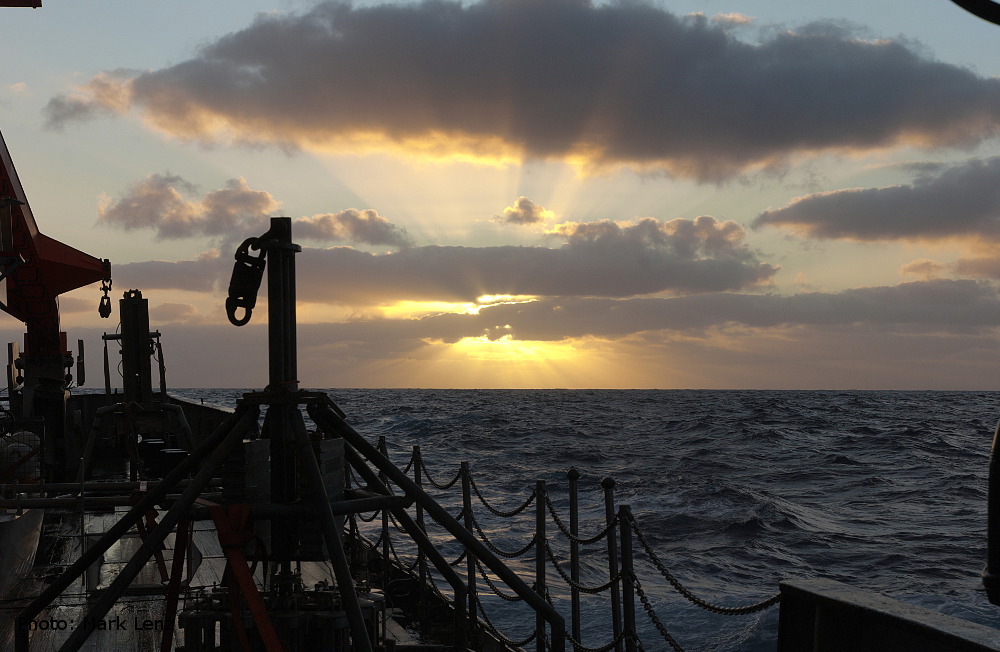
(245,282)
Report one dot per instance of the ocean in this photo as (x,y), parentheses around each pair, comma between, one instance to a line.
(734,490)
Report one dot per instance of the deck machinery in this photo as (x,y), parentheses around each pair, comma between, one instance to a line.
(36,269)
(283,493)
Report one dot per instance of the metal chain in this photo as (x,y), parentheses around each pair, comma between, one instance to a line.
(392,551)
(460,559)
(496,632)
(378,541)
(434,586)
(395,524)
(680,588)
(572,537)
(493,587)
(576,585)
(652,616)
(499,551)
(370,518)
(441,486)
(580,647)
(497,512)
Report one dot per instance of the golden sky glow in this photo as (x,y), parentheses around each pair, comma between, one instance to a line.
(593,206)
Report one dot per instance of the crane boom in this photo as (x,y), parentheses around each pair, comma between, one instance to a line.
(36,269)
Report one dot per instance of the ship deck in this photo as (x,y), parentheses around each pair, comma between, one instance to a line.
(136,622)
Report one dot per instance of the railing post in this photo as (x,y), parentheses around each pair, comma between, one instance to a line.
(384,449)
(574,551)
(540,560)
(628,577)
(470,558)
(609,514)
(352,521)
(418,477)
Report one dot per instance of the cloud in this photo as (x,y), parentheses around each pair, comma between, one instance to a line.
(927,334)
(105,94)
(621,83)
(956,202)
(524,211)
(948,305)
(171,206)
(165,203)
(173,312)
(365,226)
(733,19)
(203,274)
(699,238)
(924,268)
(983,267)
(596,259)
(957,307)
(69,304)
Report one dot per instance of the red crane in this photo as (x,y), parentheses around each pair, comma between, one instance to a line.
(36,269)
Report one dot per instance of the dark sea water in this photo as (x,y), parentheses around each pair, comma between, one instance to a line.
(735,490)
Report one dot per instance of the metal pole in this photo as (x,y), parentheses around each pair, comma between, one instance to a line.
(324,415)
(574,551)
(418,478)
(540,541)
(385,518)
(282,378)
(470,557)
(991,574)
(281,322)
(628,577)
(331,532)
(419,536)
(616,610)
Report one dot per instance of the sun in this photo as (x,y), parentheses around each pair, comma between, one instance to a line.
(507,362)
(508,350)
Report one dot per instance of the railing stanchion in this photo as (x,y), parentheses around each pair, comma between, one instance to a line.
(540,560)
(616,611)
(352,523)
(384,449)
(418,477)
(470,557)
(574,550)
(628,577)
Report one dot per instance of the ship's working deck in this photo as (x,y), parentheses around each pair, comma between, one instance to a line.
(137,620)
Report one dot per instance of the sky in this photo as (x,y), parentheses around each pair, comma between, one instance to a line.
(755,194)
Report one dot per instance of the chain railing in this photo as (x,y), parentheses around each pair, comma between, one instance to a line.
(611,545)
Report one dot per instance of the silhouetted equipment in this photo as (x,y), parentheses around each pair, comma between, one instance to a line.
(985,9)
(36,269)
(991,574)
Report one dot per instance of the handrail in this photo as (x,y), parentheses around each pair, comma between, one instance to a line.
(327,418)
(620,528)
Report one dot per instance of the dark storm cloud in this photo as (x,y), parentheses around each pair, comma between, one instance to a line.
(961,201)
(597,259)
(939,306)
(957,306)
(619,83)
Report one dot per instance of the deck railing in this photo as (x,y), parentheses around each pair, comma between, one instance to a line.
(554,558)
